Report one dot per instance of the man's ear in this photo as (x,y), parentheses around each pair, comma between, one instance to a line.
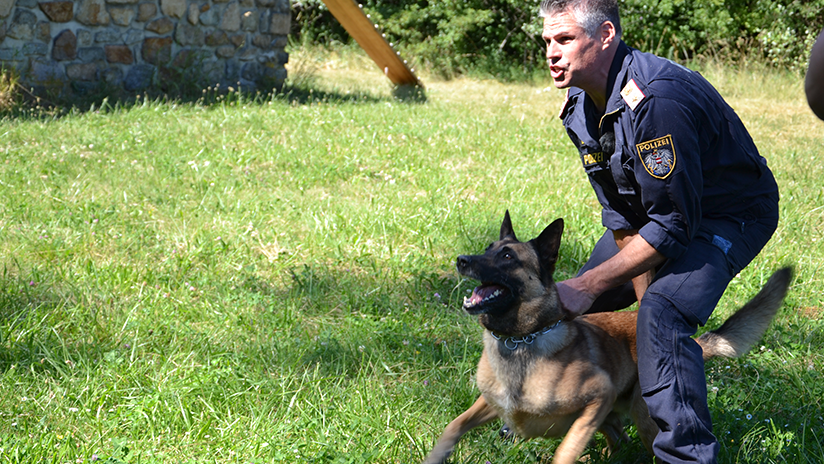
(607,34)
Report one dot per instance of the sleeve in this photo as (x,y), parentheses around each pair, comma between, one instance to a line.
(667,157)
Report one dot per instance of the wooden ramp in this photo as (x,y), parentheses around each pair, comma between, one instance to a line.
(366,34)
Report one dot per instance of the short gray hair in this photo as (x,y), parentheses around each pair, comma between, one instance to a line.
(589,14)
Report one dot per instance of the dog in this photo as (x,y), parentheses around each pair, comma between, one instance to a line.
(547,374)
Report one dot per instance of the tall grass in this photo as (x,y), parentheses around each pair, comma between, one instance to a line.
(271,279)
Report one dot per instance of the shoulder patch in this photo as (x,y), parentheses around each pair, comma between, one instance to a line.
(658,156)
(632,94)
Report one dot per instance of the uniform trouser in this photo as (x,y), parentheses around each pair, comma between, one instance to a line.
(682,296)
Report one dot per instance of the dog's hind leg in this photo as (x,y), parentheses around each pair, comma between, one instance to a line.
(582,430)
(613,430)
(478,414)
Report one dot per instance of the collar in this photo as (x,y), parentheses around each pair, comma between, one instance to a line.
(512,343)
(617,76)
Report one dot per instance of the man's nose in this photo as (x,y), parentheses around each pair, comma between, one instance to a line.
(553,52)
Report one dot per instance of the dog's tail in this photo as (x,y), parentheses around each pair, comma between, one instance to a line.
(744,328)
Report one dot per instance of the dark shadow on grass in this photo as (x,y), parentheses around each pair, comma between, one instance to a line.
(24,345)
(104,99)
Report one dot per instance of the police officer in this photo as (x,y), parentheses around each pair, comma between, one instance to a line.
(686,200)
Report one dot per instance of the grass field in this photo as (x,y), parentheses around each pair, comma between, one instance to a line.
(254,281)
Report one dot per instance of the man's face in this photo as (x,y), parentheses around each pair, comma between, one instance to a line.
(573,56)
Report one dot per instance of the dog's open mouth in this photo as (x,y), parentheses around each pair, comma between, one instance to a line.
(483,296)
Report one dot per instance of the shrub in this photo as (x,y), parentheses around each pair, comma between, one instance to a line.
(503,37)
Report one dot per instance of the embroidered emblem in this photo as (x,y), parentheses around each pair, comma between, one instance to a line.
(658,156)
(632,94)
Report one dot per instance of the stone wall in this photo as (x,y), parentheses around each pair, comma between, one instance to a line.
(133,45)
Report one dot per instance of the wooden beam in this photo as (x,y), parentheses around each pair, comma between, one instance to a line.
(367,35)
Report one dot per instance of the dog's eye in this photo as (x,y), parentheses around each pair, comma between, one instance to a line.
(507,255)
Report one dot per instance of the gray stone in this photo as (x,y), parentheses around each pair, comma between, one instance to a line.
(65,46)
(263,41)
(122,16)
(84,38)
(193,14)
(22,27)
(132,37)
(161,26)
(58,12)
(173,8)
(186,34)
(27,3)
(216,37)
(209,17)
(43,31)
(280,24)
(5,7)
(230,21)
(139,77)
(248,54)
(225,51)
(122,2)
(46,72)
(212,71)
(250,71)
(238,40)
(247,3)
(82,71)
(107,36)
(232,70)
(92,13)
(146,11)
(89,54)
(10,54)
(113,76)
(35,49)
(249,20)
(265,21)
(279,6)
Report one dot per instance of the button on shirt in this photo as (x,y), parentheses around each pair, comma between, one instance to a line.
(667,152)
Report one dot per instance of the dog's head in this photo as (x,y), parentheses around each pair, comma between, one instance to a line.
(517,295)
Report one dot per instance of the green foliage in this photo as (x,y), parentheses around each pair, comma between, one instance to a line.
(779,33)
(503,37)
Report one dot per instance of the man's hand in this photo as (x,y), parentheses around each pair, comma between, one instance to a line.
(635,262)
(574,298)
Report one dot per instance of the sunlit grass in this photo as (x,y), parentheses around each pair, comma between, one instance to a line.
(248,279)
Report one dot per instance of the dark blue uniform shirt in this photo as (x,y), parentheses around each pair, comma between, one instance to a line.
(667,153)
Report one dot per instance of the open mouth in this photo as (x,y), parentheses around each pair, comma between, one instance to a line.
(484,296)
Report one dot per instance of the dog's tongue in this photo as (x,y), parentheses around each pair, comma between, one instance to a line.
(483,292)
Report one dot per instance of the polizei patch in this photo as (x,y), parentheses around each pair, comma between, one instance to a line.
(658,156)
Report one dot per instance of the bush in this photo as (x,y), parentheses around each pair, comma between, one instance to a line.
(503,37)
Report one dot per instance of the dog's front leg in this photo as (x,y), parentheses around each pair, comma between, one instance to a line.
(479,414)
(582,430)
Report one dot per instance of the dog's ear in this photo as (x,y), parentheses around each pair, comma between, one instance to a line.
(506,228)
(548,243)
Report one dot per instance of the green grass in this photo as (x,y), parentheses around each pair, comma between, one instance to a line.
(271,280)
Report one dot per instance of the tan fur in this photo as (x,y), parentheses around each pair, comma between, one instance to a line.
(582,375)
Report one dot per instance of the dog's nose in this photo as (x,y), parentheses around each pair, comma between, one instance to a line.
(462,262)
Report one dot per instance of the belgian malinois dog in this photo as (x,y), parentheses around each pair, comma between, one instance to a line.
(547,374)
